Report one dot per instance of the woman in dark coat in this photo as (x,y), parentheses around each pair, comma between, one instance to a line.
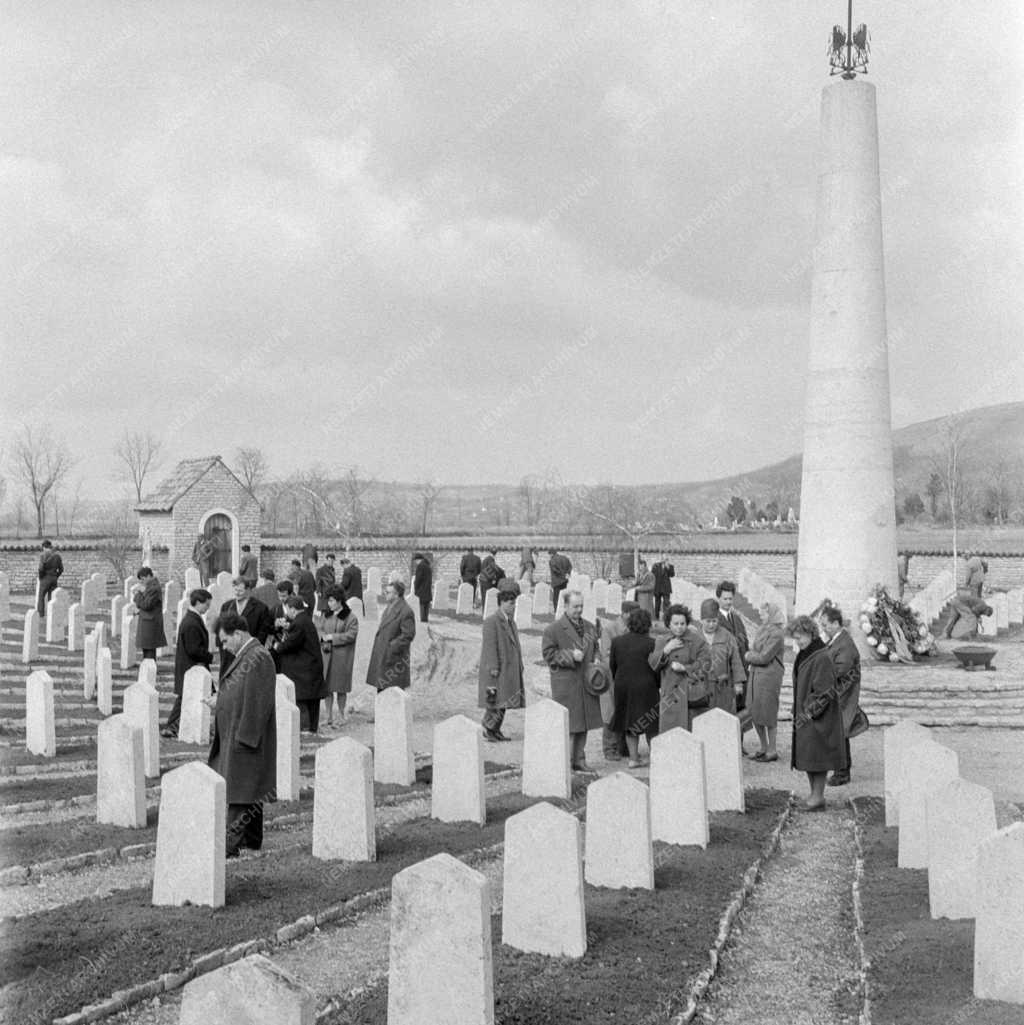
(764,657)
(818,740)
(244,749)
(338,635)
(636,684)
(149,600)
(299,659)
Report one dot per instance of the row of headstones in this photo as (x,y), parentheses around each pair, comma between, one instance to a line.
(757,591)
(538,602)
(543,896)
(1007,610)
(947,825)
(929,602)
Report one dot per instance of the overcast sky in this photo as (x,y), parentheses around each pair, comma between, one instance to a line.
(473,240)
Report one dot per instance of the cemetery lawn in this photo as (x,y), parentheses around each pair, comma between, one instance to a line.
(644,948)
(27,845)
(922,970)
(82,952)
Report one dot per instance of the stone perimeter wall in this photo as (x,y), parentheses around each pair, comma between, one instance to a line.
(20,560)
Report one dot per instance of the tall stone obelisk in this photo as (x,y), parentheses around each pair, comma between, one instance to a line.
(847,540)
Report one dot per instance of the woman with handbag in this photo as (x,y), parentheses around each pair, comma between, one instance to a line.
(683,660)
(338,634)
(764,657)
(818,741)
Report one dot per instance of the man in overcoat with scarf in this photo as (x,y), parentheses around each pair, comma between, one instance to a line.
(391,656)
(244,749)
(570,648)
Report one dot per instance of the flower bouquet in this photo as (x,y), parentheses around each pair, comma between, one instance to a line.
(893,629)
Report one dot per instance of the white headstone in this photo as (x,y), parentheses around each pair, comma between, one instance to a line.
(76,627)
(172,594)
(129,631)
(440,965)
(546,771)
(169,634)
(1014,605)
(542,599)
(490,602)
(89,660)
(40,731)
(560,607)
(100,630)
(524,612)
(457,788)
(542,908)
(897,741)
(57,616)
(194,726)
(147,672)
(583,583)
(723,759)
(193,580)
(442,597)
(30,638)
(190,838)
(928,766)
(574,581)
(600,591)
(343,812)
(117,604)
(1001,604)
(129,586)
(392,738)
(142,710)
(87,596)
(252,991)
(959,816)
(679,800)
(225,583)
(999,917)
(105,682)
(120,781)
(613,604)
(179,614)
(289,777)
(285,690)
(464,601)
(372,583)
(356,606)
(987,625)
(619,850)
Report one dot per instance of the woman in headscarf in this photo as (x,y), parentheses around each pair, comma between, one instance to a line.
(764,657)
(818,739)
(338,634)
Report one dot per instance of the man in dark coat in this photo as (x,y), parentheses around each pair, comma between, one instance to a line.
(490,574)
(423,585)
(258,617)
(846,659)
(469,570)
(309,556)
(614,743)
(729,619)
(352,579)
(559,567)
(266,592)
(390,659)
(50,568)
(663,572)
(192,649)
(149,600)
(248,565)
(305,584)
(570,648)
(324,579)
(501,663)
(244,749)
(300,658)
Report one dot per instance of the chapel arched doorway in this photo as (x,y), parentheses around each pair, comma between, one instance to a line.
(217,530)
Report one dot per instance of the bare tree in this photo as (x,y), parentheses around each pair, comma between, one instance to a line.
(1001,484)
(428,492)
(139,453)
(352,488)
(41,463)
(121,539)
(949,463)
(251,466)
(621,508)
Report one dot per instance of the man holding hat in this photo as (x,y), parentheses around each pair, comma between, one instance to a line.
(726,665)
(501,663)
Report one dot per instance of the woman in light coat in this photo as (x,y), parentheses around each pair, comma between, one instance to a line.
(338,634)
(764,657)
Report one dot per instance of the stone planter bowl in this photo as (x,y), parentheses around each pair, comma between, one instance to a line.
(975,656)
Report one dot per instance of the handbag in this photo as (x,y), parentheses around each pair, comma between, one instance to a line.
(859,725)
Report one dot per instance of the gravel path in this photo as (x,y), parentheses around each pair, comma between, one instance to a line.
(791,959)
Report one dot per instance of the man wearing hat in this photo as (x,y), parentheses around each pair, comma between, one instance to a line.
(560,567)
(423,584)
(726,665)
(570,648)
(490,574)
(501,663)
(614,744)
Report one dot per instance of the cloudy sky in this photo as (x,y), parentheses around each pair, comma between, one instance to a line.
(473,240)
